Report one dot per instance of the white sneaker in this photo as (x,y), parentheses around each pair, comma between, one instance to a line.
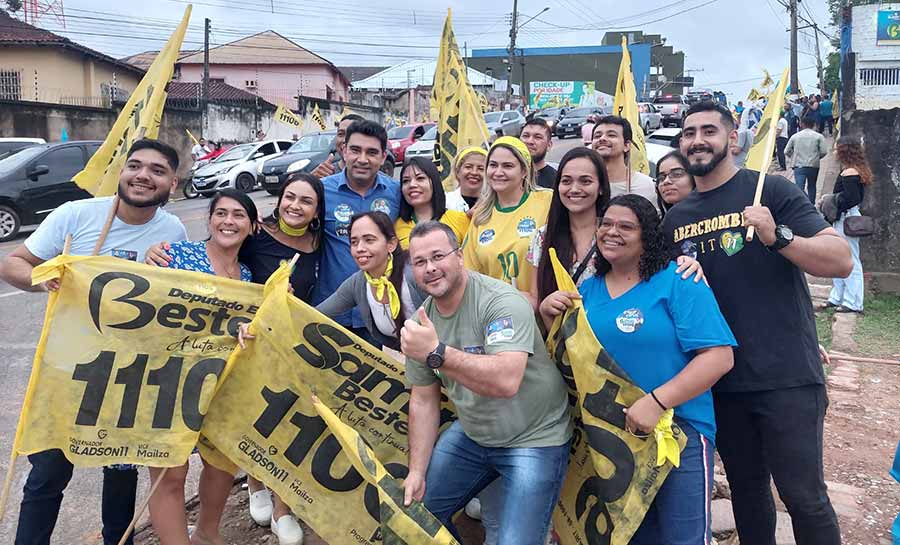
(261,507)
(473,509)
(287,530)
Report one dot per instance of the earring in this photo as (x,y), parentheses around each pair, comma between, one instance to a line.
(315,224)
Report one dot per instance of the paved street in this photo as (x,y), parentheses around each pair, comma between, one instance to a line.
(21,317)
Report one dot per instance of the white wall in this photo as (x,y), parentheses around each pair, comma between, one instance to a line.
(871,55)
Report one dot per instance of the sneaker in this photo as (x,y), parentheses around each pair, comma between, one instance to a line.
(261,507)
(287,530)
(842,308)
(473,509)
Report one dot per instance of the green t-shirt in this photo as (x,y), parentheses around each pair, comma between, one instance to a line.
(493,317)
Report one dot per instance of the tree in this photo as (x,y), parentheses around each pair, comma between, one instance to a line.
(833,72)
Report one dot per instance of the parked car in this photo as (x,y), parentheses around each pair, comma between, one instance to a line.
(424,147)
(552,116)
(37,180)
(673,109)
(237,167)
(666,137)
(304,156)
(651,119)
(510,122)
(400,138)
(655,152)
(9,146)
(572,122)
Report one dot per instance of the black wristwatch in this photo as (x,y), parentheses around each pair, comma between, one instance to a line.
(436,358)
(783,237)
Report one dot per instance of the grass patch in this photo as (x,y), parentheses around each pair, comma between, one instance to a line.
(878,329)
(824,320)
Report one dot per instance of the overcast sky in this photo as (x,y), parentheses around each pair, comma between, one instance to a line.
(728,42)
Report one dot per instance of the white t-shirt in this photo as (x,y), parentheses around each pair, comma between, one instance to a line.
(455,201)
(84,220)
(641,184)
(381,313)
(198,151)
(782,127)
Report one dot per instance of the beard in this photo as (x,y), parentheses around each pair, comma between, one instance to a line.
(702,169)
(158,199)
(537,158)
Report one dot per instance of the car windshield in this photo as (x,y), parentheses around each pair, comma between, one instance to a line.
(661,140)
(398,133)
(430,134)
(580,112)
(17,160)
(492,117)
(237,152)
(676,99)
(312,143)
(552,112)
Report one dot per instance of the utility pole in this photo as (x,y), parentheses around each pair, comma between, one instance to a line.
(795,79)
(206,25)
(512,51)
(819,61)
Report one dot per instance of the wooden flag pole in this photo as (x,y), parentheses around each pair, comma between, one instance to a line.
(106,226)
(140,511)
(757,197)
(857,359)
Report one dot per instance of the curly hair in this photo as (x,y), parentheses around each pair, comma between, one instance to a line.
(656,253)
(851,154)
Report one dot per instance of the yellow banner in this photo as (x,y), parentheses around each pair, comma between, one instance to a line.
(613,475)
(277,436)
(625,105)
(399,524)
(454,107)
(283,115)
(760,155)
(128,360)
(317,117)
(140,118)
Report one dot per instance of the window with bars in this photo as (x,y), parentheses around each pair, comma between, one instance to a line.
(10,84)
(879,76)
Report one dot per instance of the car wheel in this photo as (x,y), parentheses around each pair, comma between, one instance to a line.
(190,192)
(646,128)
(245,182)
(9,223)
(388,167)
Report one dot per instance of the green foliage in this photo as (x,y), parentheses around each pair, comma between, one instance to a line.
(833,72)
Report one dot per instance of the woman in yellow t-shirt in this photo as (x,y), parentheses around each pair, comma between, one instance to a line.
(506,218)
(423,199)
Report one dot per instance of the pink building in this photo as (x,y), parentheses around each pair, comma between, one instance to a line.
(270,66)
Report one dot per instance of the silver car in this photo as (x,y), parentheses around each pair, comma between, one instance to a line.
(511,122)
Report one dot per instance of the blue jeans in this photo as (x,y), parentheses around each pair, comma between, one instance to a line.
(43,494)
(849,292)
(531,479)
(680,513)
(806,178)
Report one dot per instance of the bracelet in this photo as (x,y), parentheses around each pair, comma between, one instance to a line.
(658,402)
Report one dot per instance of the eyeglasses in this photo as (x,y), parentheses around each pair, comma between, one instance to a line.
(622,226)
(435,258)
(670,177)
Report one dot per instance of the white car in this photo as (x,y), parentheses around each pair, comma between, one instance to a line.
(655,152)
(237,167)
(12,145)
(665,137)
(651,119)
(424,146)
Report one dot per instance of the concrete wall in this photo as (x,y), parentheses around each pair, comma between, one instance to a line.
(871,55)
(880,131)
(63,74)
(276,83)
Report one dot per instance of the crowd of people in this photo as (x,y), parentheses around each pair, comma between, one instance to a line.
(461,283)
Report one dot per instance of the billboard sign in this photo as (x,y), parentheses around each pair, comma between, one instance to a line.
(556,94)
(888,27)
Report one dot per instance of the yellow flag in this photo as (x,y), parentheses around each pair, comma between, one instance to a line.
(283,115)
(625,105)
(140,118)
(399,525)
(613,475)
(192,137)
(767,79)
(454,107)
(317,117)
(754,95)
(760,155)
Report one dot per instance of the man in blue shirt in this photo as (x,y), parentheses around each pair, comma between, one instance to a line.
(360,187)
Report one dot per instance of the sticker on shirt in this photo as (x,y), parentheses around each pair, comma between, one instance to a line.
(342,229)
(630,320)
(731,242)
(526,228)
(500,330)
(381,205)
(130,255)
(343,213)
(486,237)
(478,350)
(689,248)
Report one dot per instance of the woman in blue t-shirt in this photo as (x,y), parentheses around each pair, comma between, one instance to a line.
(232,217)
(671,339)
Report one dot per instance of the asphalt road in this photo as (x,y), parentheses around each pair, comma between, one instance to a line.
(21,318)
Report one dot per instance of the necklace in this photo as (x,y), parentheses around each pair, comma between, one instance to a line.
(235,271)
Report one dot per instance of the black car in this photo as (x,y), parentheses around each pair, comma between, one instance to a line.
(571,123)
(37,180)
(552,116)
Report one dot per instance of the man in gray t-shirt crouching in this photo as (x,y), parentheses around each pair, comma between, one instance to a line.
(477,337)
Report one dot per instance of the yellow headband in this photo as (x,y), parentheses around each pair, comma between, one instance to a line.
(460,157)
(516,144)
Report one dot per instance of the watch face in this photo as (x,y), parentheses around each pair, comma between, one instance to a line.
(786,232)
(434,360)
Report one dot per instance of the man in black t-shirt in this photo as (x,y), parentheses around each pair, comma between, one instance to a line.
(770,408)
(538,138)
